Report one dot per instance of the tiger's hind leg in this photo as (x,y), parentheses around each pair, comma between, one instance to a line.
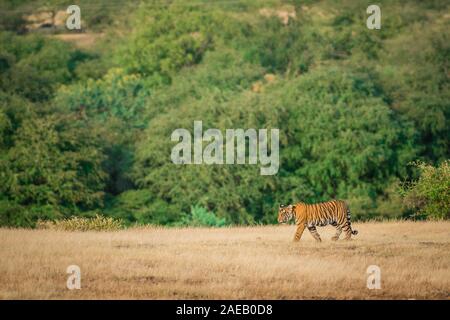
(348,230)
(348,227)
(338,233)
(314,233)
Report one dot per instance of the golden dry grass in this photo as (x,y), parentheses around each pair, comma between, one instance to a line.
(234,263)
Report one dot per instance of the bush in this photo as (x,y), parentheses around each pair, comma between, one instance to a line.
(141,207)
(14,215)
(161,44)
(201,217)
(115,95)
(53,161)
(429,196)
(33,66)
(97,223)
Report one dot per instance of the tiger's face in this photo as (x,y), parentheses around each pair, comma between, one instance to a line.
(285,213)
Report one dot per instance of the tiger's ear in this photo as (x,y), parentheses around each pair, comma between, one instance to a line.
(281,205)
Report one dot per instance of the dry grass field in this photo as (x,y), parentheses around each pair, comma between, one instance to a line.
(228,263)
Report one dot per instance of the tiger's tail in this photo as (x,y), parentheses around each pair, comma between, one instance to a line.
(354,232)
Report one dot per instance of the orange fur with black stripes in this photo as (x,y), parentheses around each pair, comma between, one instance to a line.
(334,212)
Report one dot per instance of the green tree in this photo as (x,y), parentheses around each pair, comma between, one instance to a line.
(52,168)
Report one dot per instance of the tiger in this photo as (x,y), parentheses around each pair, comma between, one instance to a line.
(334,212)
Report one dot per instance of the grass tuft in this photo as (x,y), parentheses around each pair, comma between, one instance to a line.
(97,223)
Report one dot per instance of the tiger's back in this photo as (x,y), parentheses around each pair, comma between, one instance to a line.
(332,212)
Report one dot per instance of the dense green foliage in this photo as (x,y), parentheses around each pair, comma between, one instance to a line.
(429,196)
(87,130)
(200,217)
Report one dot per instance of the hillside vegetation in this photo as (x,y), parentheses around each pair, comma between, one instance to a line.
(85,129)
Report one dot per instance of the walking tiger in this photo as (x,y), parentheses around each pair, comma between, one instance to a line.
(334,212)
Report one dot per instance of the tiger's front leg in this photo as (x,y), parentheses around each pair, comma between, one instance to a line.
(299,232)
(314,233)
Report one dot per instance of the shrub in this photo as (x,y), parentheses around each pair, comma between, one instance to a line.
(200,216)
(429,196)
(13,215)
(160,46)
(53,161)
(115,95)
(34,66)
(139,206)
(97,223)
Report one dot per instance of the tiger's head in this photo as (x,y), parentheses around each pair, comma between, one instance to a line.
(285,213)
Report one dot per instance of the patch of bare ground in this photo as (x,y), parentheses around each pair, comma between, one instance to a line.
(80,40)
